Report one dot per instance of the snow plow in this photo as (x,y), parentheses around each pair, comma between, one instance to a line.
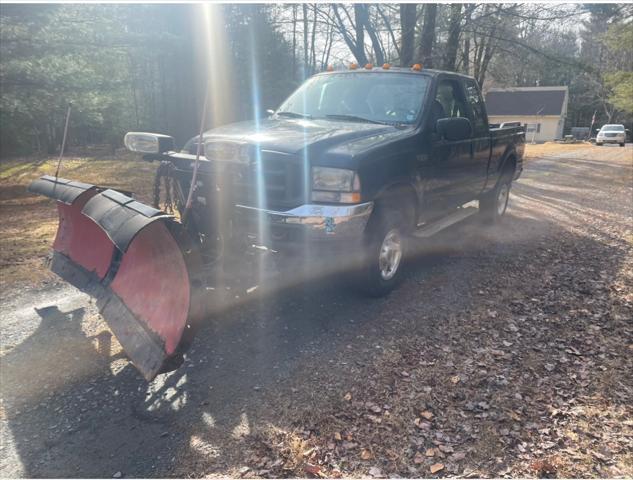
(136,261)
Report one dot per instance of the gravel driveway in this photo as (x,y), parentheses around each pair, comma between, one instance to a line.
(506,351)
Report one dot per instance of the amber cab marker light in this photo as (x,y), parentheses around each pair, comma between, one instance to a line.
(353,66)
(330,68)
(369,66)
(386,66)
(416,67)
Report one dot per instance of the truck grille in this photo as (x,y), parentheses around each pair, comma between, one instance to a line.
(283,180)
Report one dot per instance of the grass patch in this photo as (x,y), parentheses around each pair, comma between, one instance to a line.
(552,148)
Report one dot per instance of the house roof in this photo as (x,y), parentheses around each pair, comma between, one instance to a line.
(527,101)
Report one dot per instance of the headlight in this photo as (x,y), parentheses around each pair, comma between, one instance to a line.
(226,151)
(336,185)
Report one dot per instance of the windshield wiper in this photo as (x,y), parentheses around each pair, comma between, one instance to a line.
(294,115)
(356,118)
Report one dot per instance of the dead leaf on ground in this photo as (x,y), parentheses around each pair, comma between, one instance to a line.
(426,414)
(366,454)
(375,472)
(436,467)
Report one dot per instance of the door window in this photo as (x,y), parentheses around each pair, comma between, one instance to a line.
(449,102)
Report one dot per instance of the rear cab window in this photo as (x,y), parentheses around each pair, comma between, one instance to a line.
(479,118)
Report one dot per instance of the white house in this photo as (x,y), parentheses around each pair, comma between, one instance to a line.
(541,109)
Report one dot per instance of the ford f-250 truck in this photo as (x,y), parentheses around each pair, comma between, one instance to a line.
(348,169)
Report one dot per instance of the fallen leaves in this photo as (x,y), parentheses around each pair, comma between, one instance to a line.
(366,454)
(500,386)
(375,472)
(426,414)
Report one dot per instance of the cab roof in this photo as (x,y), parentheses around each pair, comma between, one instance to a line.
(379,69)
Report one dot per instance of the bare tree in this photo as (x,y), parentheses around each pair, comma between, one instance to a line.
(427,38)
(356,42)
(407,35)
(454,31)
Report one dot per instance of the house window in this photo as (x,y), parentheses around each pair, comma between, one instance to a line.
(531,127)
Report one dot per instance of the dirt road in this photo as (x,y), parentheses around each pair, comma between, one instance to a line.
(506,351)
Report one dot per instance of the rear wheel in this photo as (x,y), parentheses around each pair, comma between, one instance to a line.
(621,144)
(598,144)
(493,205)
(385,251)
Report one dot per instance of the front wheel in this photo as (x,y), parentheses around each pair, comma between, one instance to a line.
(385,251)
(493,205)
(621,144)
(598,144)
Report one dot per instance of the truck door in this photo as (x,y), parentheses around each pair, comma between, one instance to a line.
(449,163)
(481,137)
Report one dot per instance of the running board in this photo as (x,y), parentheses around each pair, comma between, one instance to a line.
(431,229)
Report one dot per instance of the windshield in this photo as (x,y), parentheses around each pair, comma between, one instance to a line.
(378,97)
(613,128)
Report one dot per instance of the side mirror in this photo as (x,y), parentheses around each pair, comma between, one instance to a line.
(453,129)
(270,111)
(597,129)
(142,142)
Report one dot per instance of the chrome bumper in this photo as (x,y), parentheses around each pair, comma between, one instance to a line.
(316,222)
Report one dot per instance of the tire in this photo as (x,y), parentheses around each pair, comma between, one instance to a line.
(598,144)
(621,144)
(385,253)
(493,205)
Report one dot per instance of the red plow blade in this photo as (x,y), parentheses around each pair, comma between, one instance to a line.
(138,263)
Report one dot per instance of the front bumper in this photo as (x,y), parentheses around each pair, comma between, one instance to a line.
(610,140)
(310,222)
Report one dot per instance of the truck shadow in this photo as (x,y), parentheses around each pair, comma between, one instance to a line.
(69,410)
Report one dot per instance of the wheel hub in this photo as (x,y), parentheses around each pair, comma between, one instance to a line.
(390,254)
(502,199)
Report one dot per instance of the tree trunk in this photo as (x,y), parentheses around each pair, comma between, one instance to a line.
(407,36)
(387,23)
(355,45)
(304,7)
(488,53)
(453,36)
(379,55)
(294,40)
(359,18)
(428,34)
(313,42)
(466,55)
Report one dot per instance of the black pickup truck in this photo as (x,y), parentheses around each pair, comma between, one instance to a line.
(356,162)
(349,169)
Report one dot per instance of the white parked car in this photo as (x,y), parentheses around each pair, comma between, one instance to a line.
(611,134)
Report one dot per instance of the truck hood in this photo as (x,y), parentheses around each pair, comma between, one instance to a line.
(317,138)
